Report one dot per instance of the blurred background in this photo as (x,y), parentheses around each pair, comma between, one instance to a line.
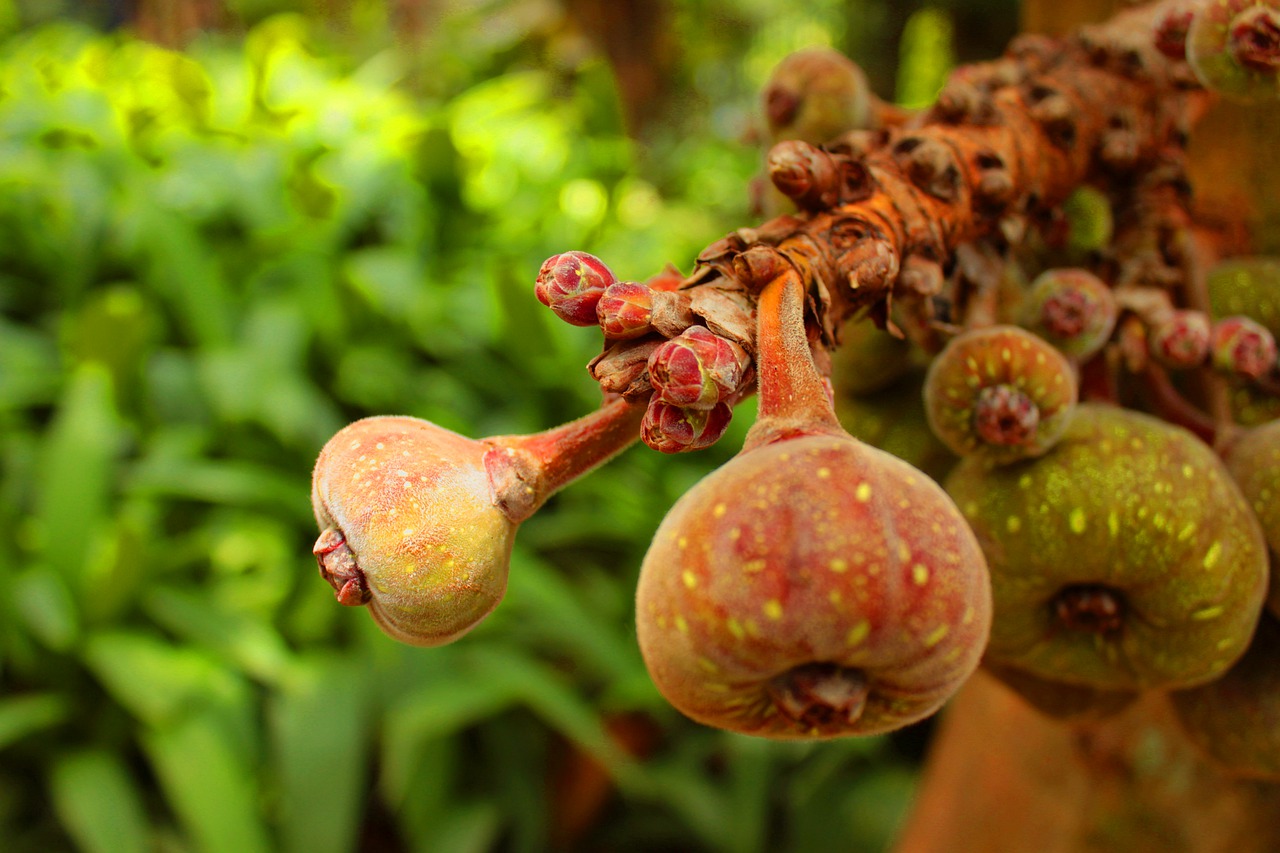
(228,228)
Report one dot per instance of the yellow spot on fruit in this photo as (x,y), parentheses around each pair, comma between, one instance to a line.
(936,636)
(1188,471)
(1024,482)
(773,609)
(719,510)
(1077,520)
(753,566)
(1188,530)
(690,580)
(681,625)
(1211,556)
(824,473)
(920,574)
(858,633)
(838,565)
(835,597)
(904,551)
(1113,523)
(708,665)
(863,492)
(1013,524)
(735,628)
(967,618)
(1207,613)
(683,542)
(735,534)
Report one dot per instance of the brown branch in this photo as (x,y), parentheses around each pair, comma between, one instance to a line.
(1007,141)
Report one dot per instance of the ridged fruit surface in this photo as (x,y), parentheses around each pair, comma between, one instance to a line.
(809,588)
(1124,558)
(413,502)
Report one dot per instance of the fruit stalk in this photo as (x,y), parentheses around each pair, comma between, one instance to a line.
(526,470)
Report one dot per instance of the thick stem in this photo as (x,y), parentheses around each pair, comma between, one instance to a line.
(793,397)
(526,470)
(1003,778)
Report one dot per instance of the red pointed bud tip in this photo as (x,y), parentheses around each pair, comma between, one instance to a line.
(1000,393)
(571,285)
(697,369)
(669,279)
(1073,309)
(625,310)
(1242,347)
(674,429)
(1181,341)
(1233,46)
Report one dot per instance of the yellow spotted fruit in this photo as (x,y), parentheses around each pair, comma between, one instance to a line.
(813,586)
(1254,462)
(410,525)
(1233,46)
(417,522)
(1235,720)
(1124,558)
(999,393)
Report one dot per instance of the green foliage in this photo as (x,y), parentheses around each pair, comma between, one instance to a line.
(208,264)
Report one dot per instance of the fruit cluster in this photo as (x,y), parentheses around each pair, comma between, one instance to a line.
(1093,398)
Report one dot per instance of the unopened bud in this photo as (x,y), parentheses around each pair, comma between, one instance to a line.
(675,429)
(571,285)
(697,369)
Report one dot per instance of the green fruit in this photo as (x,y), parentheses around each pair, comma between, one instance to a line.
(1233,46)
(1236,719)
(1254,462)
(999,394)
(410,527)
(1124,558)
(812,587)
(1072,309)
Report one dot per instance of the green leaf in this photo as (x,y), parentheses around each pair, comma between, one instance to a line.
(46,605)
(208,784)
(24,715)
(157,681)
(253,646)
(79,455)
(439,708)
(98,802)
(320,723)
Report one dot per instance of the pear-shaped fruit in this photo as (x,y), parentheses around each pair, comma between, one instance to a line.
(1124,558)
(410,525)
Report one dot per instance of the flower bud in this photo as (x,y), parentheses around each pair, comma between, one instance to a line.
(1242,347)
(625,310)
(697,369)
(571,284)
(674,429)
(1181,341)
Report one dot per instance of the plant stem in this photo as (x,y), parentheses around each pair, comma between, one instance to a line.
(526,470)
(793,398)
